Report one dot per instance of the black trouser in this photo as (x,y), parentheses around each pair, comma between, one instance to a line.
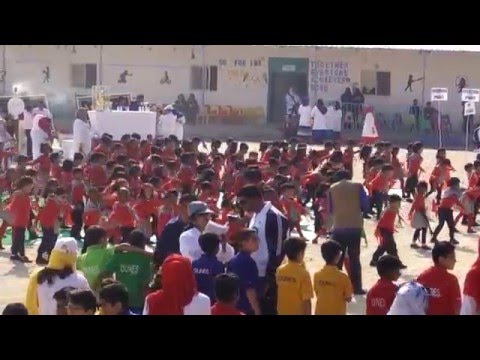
(29,142)
(18,241)
(47,244)
(377,201)
(388,245)
(126,233)
(411,184)
(350,243)
(416,235)
(77,219)
(445,216)
(311,189)
(268,295)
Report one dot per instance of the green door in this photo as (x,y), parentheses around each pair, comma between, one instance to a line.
(284,73)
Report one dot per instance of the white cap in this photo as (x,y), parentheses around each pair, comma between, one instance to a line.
(67,245)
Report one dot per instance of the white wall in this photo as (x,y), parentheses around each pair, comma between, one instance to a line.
(148,63)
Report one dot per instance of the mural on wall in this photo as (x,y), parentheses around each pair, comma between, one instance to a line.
(165,80)
(46,74)
(326,73)
(245,73)
(461,82)
(410,82)
(122,79)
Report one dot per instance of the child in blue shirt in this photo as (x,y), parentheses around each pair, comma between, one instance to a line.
(207,267)
(246,269)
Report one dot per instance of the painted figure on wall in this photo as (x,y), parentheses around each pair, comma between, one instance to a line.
(123,77)
(46,74)
(410,82)
(165,80)
(461,83)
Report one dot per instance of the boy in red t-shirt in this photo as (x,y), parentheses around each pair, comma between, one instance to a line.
(445,297)
(122,215)
(450,198)
(227,289)
(293,208)
(385,229)
(379,187)
(380,297)
(49,217)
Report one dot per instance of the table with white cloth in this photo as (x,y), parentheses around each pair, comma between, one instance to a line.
(118,123)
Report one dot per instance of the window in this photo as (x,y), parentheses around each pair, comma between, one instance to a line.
(83,75)
(199,73)
(375,83)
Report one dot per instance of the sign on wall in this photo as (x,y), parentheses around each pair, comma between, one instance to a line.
(439,94)
(469,108)
(326,73)
(471,95)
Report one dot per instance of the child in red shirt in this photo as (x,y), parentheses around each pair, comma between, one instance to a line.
(206,196)
(379,187)
(78,193)
(97,175)
(20,208)
(56,168)
(418,216)
(122,215)
(168,211)
(227,290)
(43,165)
(293,209)
(445,297)
(380,297)
(146,208)
(414,167)
(66,175)
(385,229)
(348,154)
(49,220)
(93,209)
(449,199)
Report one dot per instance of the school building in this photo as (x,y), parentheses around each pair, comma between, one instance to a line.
(238,83)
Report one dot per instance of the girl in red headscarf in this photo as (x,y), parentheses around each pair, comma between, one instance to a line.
(179,295)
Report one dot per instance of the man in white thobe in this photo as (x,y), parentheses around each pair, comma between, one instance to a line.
(171,123)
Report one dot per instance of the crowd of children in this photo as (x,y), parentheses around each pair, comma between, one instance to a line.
(124,192)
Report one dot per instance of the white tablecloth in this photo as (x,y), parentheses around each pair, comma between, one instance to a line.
(118,123)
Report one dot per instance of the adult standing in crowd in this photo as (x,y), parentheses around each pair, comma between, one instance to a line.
(347,203)
(319,128)
(414,111)
(292,103)
(171,123)
(192,110)
(272,230)
(337,116)
(27,123)
(305,120)
(82,140)
(42,110)
(42,131)
(357,102)
(431,116)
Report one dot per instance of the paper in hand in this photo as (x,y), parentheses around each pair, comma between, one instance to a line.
(215,228)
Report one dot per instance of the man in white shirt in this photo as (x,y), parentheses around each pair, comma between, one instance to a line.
(27,124)
(82,141)
(272,230)
(200,215)
(42,110)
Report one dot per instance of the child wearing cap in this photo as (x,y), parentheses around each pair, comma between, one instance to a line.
(332,286)
(380,297)
(445,297)
(227,289)
(295,291)
(207,267)
(246,269)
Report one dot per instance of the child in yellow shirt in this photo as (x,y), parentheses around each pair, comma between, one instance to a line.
(331,285)
(294,284)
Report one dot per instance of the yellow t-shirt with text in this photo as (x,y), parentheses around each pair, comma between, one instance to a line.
(332,288)
(294,287)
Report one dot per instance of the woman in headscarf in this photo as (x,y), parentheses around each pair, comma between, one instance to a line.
(82,140)
(411,299)
(319,128)
(58,274)
(179,295)
(192,110)
(42,131)
(171,123)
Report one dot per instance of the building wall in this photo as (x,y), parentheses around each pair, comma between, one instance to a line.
(242,73)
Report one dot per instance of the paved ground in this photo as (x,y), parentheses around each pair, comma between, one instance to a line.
(14,276)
